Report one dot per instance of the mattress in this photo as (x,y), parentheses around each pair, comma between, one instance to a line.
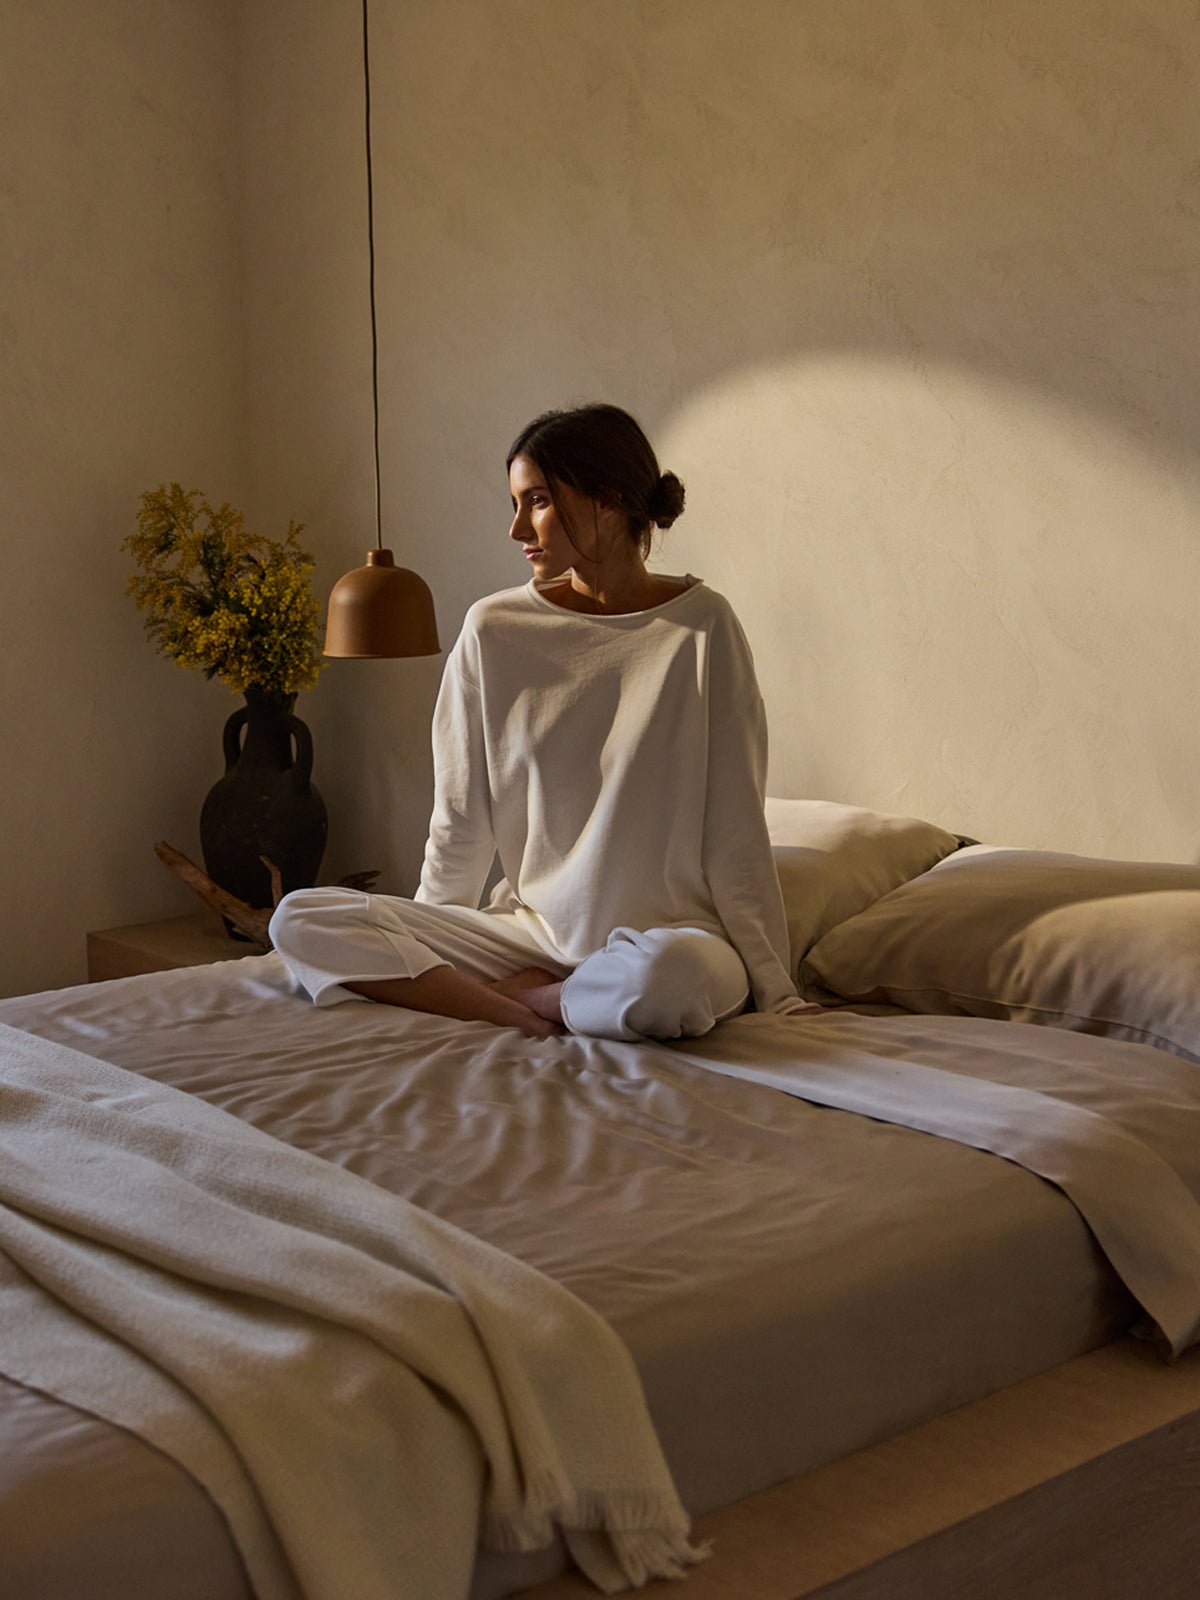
(793,1282)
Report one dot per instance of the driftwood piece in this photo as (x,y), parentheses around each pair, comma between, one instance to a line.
(250,921)
(276,881)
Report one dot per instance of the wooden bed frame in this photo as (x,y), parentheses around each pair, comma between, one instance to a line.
(1080,1484)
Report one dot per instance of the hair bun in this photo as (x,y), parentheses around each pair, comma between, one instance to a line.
(666,500)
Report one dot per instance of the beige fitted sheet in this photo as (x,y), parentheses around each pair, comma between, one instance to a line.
(793,1282)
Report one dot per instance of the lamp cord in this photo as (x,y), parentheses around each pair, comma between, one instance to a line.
(371,255)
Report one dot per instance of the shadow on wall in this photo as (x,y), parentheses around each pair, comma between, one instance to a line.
(689,190)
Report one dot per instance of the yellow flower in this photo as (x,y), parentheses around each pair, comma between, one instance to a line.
(228,603)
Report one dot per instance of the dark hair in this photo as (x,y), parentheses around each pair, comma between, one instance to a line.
(602,452)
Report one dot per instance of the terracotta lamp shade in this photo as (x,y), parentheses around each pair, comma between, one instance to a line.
(381,610)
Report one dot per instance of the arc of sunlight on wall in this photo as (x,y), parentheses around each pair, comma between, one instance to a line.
(968,600)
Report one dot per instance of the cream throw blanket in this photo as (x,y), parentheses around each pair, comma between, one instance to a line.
(364,1390)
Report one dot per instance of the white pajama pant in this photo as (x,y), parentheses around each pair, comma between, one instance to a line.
(661,983)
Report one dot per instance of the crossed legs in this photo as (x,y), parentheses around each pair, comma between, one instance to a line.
(447,992)
(661,983)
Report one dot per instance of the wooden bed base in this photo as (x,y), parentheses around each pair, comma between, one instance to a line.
(1080,1484)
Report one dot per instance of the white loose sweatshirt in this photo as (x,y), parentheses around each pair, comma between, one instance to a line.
(616,765)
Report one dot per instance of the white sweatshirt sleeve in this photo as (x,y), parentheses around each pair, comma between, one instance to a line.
(737,849)
(461,844)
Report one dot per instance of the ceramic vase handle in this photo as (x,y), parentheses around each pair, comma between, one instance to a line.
(302,770)
(232,738)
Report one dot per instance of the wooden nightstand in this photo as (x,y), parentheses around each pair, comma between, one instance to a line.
(191,941)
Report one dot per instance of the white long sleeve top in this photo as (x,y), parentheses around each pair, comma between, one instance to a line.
(616,765)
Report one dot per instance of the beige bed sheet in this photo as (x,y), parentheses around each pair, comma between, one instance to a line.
(793,1282)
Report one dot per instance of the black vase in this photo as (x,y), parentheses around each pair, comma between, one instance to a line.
(265,805)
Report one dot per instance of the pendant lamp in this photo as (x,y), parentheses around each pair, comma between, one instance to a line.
(379,610)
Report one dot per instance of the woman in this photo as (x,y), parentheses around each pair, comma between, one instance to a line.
(600,730)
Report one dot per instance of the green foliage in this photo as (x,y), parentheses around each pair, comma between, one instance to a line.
(234,605)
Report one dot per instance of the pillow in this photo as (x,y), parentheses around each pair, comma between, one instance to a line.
(835,860)
(1108,947)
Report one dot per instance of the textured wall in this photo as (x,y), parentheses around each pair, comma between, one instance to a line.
(120,339)
(908,294)
(961,516)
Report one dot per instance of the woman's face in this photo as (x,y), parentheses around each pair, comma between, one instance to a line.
(536,526)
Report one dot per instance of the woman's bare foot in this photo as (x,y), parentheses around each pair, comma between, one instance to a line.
(535,1026)
(536,988)
(448,993)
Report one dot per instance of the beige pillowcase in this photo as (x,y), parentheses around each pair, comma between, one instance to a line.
(835,860)
(1108,947)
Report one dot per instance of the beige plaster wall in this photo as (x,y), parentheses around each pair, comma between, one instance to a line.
(907,293)
(120,346)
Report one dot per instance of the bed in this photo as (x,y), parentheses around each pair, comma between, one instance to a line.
(875,1355)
